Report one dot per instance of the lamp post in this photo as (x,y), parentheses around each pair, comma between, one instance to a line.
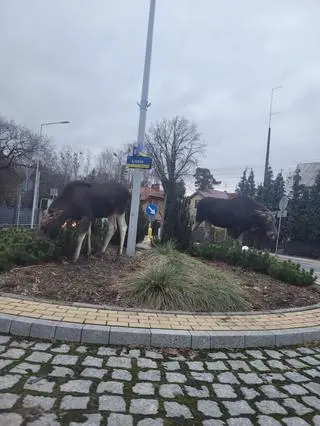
(37,179)
(144,104)
(271,113)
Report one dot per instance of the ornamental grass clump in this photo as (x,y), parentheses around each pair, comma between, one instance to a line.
(170,280)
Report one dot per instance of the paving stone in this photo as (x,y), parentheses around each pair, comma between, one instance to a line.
(154,355)
(249,393)
(310,360)
(76,386)
(97,373)
(305,351)
(10,419)
(274,354)
(8,381)
(270,407)
(212,422)
(39,357)
(144,406)
(13,353)
(171,365)
(107,351)
(132,353)
(174,409)
(92,420)
(203,392)
(116,419)
(256,354)
(170,391)
(74,402)
(224,391)
(312,373)
(151,422)
(117,362)
(279,365)
(237,355)
(295,421)
(268,421)
(123,375)
(2,348)
(202,377)
(228,378)
(218,355)
(216,366)
(209,408)
(312,401)
(298,408)
(42,346)
(39,384)
(25,344)
(250,378)
(313,387)
(176,377)
(272,392)
(61,372)
(65,359)
(149,375)
(259,365)
(4,339)
(237,408)
(290,353)
(82,349)
(147,363)
(271,377)
(7,400)
(316,420)
(112,403)
(44,402)
(143,388)
(45,420)
(195,365)
(295,363)
(110,387)
(240,421)
(296,377)
(294,389)
(239,365)
(63,349)
(25,368)
(92,361)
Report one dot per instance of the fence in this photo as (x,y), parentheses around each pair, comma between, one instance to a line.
(11,216)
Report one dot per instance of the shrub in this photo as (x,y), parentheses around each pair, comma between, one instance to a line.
(263,263)
(170,280)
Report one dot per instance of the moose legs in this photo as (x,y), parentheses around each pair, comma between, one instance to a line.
(84,229)
(112,226)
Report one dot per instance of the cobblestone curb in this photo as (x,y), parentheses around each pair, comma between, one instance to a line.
(113,335)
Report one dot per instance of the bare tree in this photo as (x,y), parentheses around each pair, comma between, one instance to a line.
(175,147)
(18,145)
(87,163)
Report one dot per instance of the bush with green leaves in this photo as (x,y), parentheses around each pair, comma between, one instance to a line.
(264,263)
(168,279)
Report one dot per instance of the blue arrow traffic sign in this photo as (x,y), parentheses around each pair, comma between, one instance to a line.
(152,209)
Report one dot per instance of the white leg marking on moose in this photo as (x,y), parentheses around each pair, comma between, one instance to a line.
(89,248)
(112,226)
(122,224)
(80,239)
(207,231)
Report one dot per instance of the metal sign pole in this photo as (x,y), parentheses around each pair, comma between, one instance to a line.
(144,104)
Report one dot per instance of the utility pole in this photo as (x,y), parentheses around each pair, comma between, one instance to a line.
(37,178)
(144,104)
(271,113)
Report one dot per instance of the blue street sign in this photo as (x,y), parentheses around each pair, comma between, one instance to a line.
(139,162)
(152,210)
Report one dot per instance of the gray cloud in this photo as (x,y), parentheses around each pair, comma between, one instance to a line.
(214,62)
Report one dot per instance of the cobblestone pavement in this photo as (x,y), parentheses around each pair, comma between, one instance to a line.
(45,384)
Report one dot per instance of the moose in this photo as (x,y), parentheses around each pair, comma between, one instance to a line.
(237,215)
(83,201)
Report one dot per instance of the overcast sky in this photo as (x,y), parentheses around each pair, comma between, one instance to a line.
(213,61)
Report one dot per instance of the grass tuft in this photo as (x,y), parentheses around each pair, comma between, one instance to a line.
(170,280)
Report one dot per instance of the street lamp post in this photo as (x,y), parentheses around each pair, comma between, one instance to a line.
(144,104)
(271,113)
(37,178)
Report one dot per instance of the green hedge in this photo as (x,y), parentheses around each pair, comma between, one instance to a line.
(264,263)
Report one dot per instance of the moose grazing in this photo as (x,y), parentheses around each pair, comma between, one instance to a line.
(237,215)
(83,202)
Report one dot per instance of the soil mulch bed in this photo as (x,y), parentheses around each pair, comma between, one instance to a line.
(95,280)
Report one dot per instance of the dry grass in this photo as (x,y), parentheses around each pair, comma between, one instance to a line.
(170,280)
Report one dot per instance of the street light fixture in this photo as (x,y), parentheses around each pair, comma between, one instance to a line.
(271,113)
(37,178)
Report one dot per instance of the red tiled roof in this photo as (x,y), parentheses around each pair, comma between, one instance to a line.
(146,193)
(212,193)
